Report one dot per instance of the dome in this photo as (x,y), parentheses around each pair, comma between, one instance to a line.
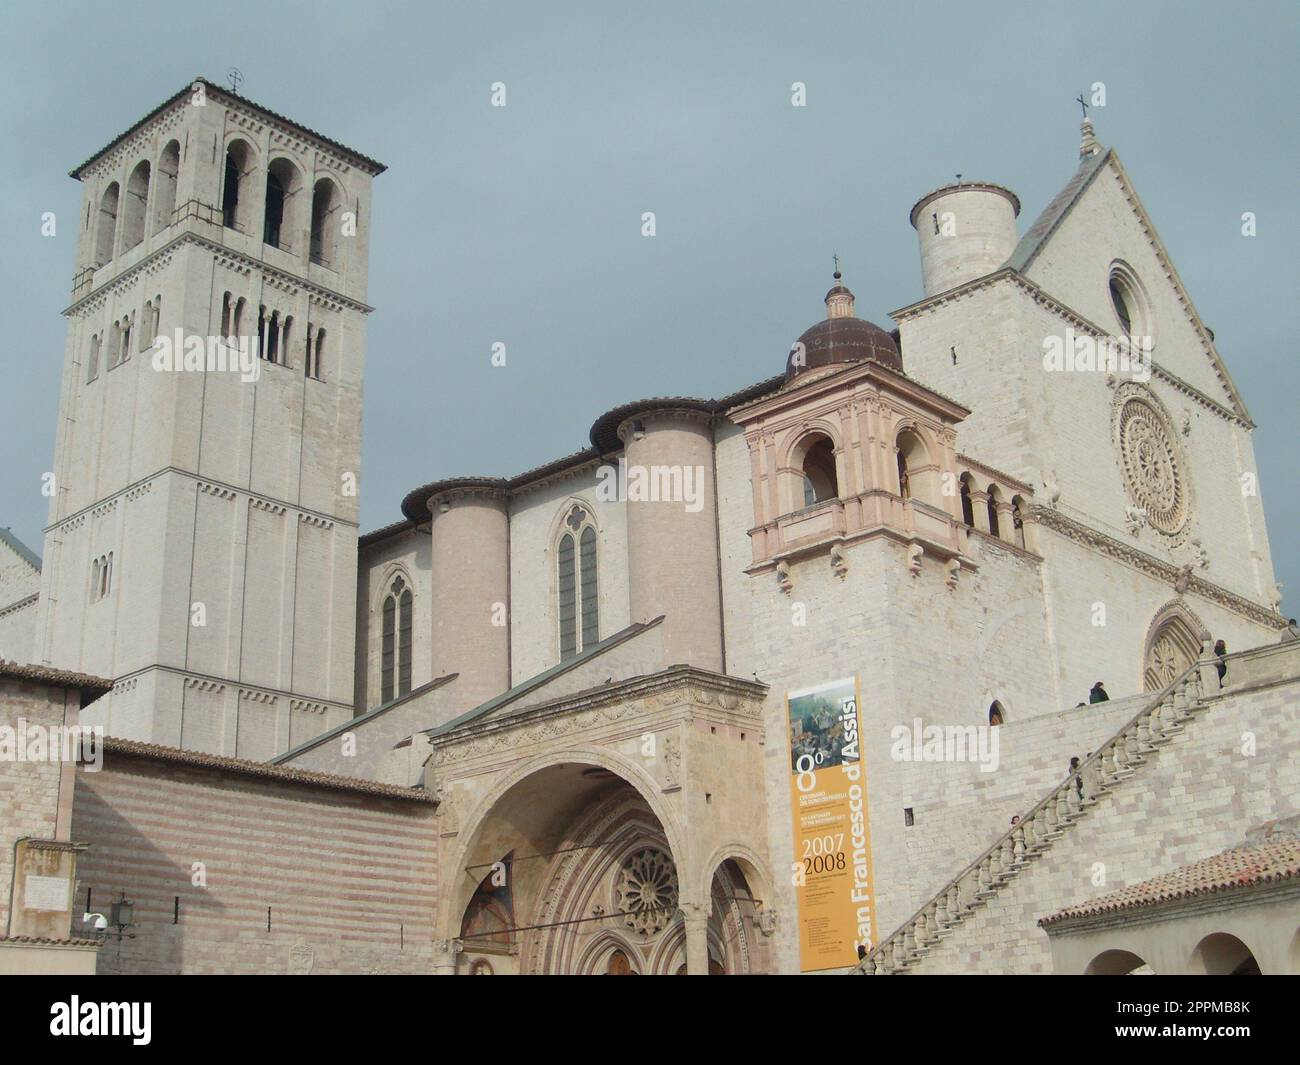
(841,338)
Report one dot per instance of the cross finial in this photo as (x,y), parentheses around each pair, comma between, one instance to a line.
(1082,103)
(836,260)
(236,76)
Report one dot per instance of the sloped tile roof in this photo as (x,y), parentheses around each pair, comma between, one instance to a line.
(265,770)
(1054,213)
(1229,871)
(58,678)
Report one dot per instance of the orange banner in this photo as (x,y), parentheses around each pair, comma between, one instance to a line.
(833,877)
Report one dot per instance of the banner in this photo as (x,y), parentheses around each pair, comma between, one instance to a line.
(834,881)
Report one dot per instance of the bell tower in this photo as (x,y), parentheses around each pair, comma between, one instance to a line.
(201,548)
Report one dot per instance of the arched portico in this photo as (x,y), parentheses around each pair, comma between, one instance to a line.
(558,850)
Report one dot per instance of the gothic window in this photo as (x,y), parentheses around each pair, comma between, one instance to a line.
(995,496)
(579,603)
(819,479)
(324,224)
(1172,648)
(284,341)
(106,227)
(281,187)
(101,577)
(395,651)
(237,165)
(137,200)
(967,507)
(92,362)
(317,372)
(273,338)
(165,194)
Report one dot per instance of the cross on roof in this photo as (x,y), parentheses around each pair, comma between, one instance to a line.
(1082,103)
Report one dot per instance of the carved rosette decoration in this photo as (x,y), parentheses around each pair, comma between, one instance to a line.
(1151,460)
(646,891)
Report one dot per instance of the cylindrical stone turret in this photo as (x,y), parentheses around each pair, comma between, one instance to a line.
(469,577)
(672,532)
(966,230)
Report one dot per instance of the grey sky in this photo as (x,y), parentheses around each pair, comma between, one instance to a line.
(521,225)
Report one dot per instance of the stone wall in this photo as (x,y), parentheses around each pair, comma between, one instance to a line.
(1196,795)
(347,869)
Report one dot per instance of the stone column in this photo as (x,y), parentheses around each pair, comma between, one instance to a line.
(697,939)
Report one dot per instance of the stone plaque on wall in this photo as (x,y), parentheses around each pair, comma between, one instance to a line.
(44,874)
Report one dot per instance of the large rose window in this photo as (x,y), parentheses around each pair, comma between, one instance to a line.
(1152,472)
(646,891)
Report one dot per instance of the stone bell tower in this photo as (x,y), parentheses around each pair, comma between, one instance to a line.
(202,541)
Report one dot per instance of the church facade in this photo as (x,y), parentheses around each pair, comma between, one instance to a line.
(741,686)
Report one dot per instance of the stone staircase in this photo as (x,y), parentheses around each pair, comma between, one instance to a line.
(1160,720)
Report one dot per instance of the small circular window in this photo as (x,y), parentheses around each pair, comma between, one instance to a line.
(1120,303)
(1129,302)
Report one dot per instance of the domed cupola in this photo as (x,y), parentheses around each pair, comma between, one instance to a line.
(841,338)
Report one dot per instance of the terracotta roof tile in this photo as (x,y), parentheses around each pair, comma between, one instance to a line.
(59,678)
(1231,870)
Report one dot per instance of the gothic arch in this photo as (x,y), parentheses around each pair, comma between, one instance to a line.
(1173,642)
(452,904)
(575,569)
(594,958)
(753,868)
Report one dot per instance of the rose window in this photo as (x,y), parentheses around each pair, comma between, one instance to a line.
(1151,470)
(646,891)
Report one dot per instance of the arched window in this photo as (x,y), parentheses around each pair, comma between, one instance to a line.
(995,496)
(967,506)
(913,474)
(94,580)
(324,224)
(101,579)
(819,478)
(261,332)
(226,309)
(169,166)
(285,337)
(137,201)
(106,225)
(273,338)
(316,365)
(92,361)
(238,157)
(997,716)
(114,344)
(239,316)
(1018,521)
(395,652)
(281,186)
(127,325)
(579,592)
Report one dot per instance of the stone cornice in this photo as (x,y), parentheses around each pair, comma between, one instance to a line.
(229,491)
(1094,539)
(274,274)
(1071,317)
(607,703)
(992,471)
(255,692)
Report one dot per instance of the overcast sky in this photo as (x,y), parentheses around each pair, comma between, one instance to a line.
(522,224)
